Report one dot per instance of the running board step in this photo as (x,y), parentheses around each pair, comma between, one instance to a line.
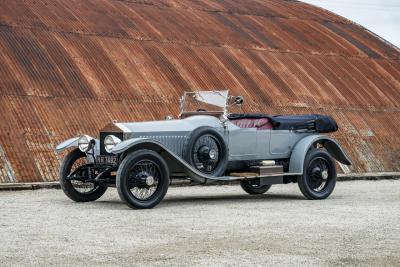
(260,171)
(266,170)
(249,175)
(266,175)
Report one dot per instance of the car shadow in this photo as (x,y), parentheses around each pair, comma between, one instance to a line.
(223,198)
(171,201)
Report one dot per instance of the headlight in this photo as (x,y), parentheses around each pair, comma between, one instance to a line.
(110,142)
(85,143)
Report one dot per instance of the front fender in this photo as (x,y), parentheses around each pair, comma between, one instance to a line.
(296,162)
(72,142)
(168,155)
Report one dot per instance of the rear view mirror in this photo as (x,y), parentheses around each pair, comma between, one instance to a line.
(239,100)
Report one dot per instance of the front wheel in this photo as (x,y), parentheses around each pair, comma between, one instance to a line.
(143,179)
(78,190)
(319,175)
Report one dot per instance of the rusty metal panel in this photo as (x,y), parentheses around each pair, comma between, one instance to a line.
(70,67)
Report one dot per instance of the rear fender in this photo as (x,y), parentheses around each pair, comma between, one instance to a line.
(296,162)
(170,157)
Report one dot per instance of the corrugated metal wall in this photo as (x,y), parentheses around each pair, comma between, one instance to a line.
(71,66)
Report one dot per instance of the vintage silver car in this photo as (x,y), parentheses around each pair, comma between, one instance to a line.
(205,144)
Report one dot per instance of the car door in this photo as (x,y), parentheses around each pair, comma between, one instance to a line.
(263,143)
(280,142)
(242,143)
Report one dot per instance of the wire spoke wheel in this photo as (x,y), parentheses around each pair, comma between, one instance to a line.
(319,176)
(144,179)
(75,184)
(206,153)
(318,171)
(81,186)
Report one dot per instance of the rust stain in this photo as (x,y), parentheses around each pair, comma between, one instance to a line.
(70,67)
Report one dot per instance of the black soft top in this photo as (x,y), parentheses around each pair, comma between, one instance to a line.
(312,122)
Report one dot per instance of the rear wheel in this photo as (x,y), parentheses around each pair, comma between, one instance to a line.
(143,179)
(78,190)
(319,175)
(252,188)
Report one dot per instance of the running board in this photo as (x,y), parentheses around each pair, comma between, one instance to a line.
(247,175)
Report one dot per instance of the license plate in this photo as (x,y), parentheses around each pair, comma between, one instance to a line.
(107,160)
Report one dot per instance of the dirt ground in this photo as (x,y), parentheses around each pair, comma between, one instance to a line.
(206,226)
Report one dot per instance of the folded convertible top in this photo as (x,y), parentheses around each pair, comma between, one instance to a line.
(312,122)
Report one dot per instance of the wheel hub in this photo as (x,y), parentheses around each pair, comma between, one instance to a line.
(205,153)
(149,180)
(318,174)
(144,179)
(324,174)
(212,154)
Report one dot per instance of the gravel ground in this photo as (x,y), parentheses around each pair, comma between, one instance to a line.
(207,226)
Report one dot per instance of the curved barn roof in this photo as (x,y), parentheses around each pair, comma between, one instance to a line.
(70,66)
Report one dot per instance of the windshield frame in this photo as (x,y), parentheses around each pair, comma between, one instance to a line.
(223,106)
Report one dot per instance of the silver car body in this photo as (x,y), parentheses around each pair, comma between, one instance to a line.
(244,144)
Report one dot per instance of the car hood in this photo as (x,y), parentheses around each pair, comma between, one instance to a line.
(187,124)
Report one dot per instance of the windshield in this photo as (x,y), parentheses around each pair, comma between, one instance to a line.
(214,101)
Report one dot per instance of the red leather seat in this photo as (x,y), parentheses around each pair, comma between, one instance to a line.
(259,123)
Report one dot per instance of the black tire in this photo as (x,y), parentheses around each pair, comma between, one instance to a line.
(314,183)
(67,185)
(252,189)
(222,160)
(125,181)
